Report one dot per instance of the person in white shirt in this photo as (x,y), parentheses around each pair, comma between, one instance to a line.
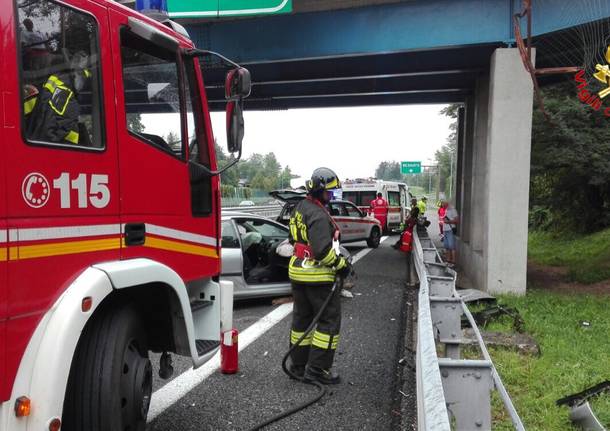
(34,47)
(451,221)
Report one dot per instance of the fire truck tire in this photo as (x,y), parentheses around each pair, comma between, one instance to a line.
(374,238)
(110,381)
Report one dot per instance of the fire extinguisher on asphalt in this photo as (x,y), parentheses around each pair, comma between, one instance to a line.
(228,352)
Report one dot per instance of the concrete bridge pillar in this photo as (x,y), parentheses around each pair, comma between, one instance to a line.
(495,183)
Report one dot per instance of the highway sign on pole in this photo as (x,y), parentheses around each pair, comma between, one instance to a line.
(410,167)
(226,8)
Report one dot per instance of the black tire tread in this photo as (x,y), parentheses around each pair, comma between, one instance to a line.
(92,370)
(370,242)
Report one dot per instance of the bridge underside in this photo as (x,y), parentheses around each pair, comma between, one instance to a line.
(415,52)
(443,75)
(394,52)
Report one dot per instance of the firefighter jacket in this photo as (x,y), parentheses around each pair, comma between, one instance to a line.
(422,207)
(52,115)
(312,229)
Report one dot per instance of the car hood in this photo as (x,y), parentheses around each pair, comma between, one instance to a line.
(289,196)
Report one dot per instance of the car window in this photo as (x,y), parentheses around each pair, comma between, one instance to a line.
(265,228)
(394,199)
(60,73)
(152,93)
(352,211)
(229,236)
(337,210)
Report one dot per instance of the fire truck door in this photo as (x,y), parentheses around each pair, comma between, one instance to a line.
(61,184)
(4,390)
(62,187)
(167,209)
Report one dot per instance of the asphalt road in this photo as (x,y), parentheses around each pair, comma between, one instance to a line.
(372,338)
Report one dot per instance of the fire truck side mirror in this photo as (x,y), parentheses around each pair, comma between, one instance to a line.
(238,84)
(235,126)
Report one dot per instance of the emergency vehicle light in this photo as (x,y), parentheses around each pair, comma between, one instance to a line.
(22,407)
(156,9)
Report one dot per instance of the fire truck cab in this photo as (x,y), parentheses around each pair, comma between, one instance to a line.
(109,211)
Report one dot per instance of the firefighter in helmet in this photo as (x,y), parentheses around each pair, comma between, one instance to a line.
(313,268)
(52,112)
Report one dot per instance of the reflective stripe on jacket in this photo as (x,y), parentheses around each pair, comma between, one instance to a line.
(52,116)
(422,208)
(311,225)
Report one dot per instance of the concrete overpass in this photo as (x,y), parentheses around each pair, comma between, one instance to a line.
(357,52)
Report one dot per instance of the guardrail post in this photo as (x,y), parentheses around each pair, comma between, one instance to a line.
(440,286)
(467,385)
(447,322)
(429,254)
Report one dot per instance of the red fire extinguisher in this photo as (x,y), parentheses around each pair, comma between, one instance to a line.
(228,352)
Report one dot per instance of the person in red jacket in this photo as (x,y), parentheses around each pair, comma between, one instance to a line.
(442,209)
(380,210)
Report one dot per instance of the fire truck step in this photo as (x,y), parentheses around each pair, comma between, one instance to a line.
(199,304)
(205,346)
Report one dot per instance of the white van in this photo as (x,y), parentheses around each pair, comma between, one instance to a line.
(363,192)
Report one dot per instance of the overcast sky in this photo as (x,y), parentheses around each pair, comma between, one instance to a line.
(352,141)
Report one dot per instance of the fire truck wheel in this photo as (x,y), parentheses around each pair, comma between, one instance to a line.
(374,238)
(110,373)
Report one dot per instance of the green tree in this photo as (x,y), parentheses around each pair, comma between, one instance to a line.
(446,156)
(173,141)
(134,123)
(389,171)
(230,177)
(570,161)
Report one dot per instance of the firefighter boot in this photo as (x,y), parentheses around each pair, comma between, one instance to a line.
(296,370)
(325,377)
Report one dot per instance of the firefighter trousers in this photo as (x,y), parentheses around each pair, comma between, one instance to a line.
(319,346)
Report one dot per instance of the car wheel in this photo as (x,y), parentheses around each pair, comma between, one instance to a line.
(374,238)
(110,383)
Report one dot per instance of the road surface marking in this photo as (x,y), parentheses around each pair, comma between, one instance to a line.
(174,390)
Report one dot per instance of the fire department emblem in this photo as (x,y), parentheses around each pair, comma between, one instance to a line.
(35,190)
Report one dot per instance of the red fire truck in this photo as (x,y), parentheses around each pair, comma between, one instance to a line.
(109,211)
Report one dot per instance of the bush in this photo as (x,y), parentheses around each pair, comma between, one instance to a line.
(540,218)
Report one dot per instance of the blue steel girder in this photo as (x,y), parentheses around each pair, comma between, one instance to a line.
(405,26)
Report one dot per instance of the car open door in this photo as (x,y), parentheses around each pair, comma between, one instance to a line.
(359,225)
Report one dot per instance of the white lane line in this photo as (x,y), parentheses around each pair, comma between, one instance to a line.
(173,391)
(169,394)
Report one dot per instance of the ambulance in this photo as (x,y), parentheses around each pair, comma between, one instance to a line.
(362,192)
(109,210)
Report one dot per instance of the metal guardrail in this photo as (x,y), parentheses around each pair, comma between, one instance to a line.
(452,393)
(270,211)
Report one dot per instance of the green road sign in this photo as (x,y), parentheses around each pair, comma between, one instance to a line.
(226,8)
(410,167)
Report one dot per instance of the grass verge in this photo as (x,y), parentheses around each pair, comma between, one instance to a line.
(586,257)
(573,357)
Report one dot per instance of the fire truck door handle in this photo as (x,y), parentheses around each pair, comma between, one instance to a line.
(135,234)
